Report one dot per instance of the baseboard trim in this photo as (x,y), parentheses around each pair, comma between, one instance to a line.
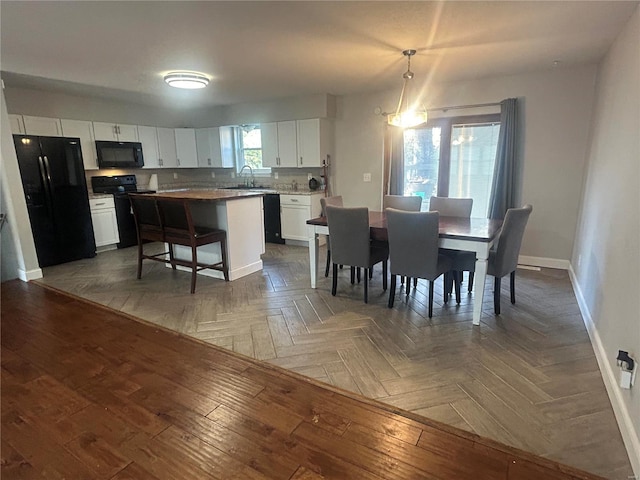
(630,436)
(28,275)
(544,262)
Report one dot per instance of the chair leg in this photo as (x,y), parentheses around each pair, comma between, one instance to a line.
(445,283)
(384,275)
(353,275)
(392,291)
(430,298)
(171,258)
(512,286)
(194,267)
(358,274)
(470,286)
(408,286)
(334,280)
(225,264)
(326,269)
(496,295)
(370,272)
(366,284)
(457,279)
(415,282)
(140,253)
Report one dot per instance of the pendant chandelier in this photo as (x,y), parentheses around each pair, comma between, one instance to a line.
(407,115)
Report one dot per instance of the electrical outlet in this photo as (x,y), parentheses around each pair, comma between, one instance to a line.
(309,176)
(213,174)
(366,177)
(175,176)
(233,174)
(275,175)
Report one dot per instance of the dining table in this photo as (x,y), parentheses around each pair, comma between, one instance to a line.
(456,233)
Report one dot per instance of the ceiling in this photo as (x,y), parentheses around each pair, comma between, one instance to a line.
(254,51)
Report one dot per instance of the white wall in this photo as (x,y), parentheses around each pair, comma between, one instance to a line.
(606,258)
(556,113)
(19,258)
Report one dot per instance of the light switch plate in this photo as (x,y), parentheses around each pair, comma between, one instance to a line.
(275,175)
(213,174)
(175,176)
(366,177)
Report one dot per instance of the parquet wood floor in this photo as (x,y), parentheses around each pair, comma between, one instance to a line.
(91,393)
(527,378)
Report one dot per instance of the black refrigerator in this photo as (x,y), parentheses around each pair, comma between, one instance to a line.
(57,200)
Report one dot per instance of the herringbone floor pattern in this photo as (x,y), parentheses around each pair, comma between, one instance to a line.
(527,378)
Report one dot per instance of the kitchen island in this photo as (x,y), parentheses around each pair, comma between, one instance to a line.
(240,214)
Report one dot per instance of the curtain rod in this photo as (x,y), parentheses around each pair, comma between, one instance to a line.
(459,107)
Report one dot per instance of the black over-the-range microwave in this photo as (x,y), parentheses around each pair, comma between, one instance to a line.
(119,154)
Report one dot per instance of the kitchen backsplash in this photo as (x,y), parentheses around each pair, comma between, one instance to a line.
(288,178)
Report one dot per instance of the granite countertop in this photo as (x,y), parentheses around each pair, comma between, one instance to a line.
(206,195)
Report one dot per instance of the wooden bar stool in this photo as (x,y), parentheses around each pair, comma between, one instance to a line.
(148,227)
(179,229)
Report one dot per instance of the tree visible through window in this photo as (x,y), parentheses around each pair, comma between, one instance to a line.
(452,157)
(250,148)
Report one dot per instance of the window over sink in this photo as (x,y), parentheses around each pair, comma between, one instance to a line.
(249,149)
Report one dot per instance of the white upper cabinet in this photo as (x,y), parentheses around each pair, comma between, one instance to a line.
(115,132)
(148,137)
(82,129)
(186,152)
(45,126)
(315,141)
(227,147)
(167,155)
(17,124)
(279,145)
(208,147)
(215,147)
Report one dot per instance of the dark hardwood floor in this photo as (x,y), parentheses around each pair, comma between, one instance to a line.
(527,378)
(89,392)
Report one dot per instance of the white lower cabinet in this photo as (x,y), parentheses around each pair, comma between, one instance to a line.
(105,224)
(295,210)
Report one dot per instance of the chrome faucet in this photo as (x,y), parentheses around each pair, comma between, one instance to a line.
(253,181)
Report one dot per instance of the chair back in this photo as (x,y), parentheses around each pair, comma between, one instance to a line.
(412,203)
(505,259)
(349,235)
(176,217)
(336,201)
(147,218)
(413,243)
(451,207)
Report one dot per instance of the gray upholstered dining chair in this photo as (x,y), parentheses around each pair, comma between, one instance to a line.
(503,259)
(324,201)
(351,244)
(454,207)
(413,249)
(411,203)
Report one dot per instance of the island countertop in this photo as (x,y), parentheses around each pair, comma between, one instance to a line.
(206,195)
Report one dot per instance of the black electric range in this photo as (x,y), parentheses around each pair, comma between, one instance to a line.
(120,186)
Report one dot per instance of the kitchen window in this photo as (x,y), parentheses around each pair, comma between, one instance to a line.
(249,142)
(452,157)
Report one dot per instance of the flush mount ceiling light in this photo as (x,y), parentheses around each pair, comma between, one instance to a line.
(188,80)
(407,115)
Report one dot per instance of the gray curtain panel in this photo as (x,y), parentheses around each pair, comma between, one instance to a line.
(395,139)
(505,175)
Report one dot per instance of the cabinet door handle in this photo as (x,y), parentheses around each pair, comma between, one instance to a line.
(209,161)
(294,200)
(160,161)
(178,161)
(98,204)
(300,160)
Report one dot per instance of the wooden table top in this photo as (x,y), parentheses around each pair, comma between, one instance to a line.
(476,229)
(205,195)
